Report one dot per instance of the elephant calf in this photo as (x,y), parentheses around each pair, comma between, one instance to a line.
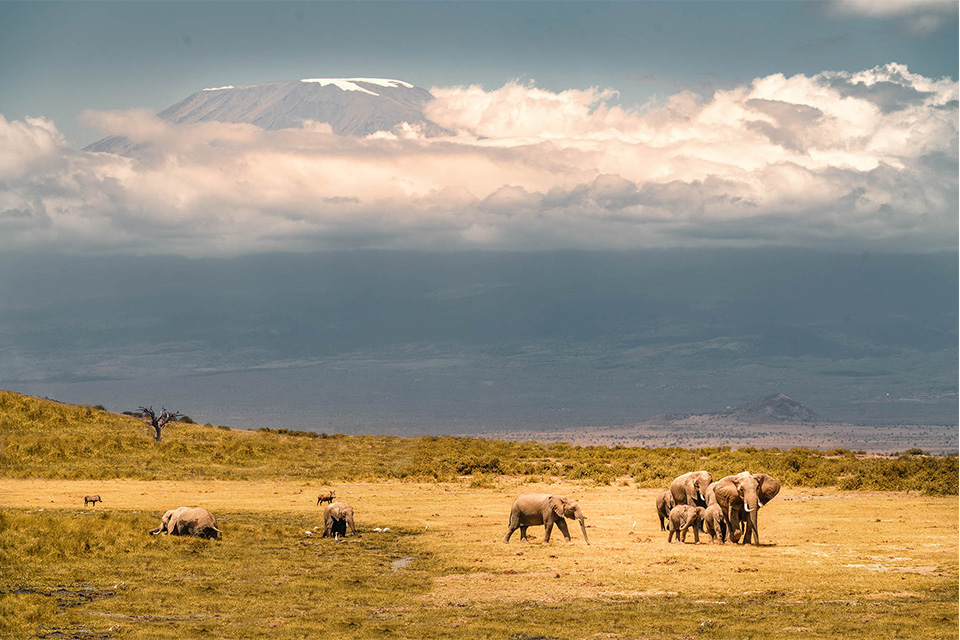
(664,504)
(336,517)
(533,509)
(683,517)
(713,524)
(92,499)
(189,521)
(326,496)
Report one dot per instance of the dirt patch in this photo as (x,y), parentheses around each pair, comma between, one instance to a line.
(927,570)
(899,595)
(67,598)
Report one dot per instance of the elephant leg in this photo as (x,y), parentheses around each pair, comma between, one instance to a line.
(523,534)
(696,533)
(733,526)
(662,528)
(510,531)
(562,525)
(549,529)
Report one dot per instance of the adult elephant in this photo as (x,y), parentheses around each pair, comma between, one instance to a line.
(534,509)
(740,497)
(336,517)
(189,521)
(690,488)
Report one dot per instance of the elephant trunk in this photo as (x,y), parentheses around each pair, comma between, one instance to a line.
(583,528)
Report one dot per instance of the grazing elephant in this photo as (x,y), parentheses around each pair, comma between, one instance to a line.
(336,517)
(713,523)
(689,488)
(664,504)
(92,499)
(740,498)
(327,495)
(189,521)
(683,517)
(534,509)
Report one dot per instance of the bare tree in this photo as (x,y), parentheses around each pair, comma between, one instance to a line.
(158,422)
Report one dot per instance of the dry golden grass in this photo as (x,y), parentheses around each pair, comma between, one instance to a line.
(832,564)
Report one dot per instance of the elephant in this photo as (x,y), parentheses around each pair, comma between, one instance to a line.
(740,497)
(336,517)
(664,504)
(94,499)
(534,509)
(713,523)
(189,521)
(683,517)
(327,495)
(689,488)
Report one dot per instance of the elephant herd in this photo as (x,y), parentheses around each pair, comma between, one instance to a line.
(725,510)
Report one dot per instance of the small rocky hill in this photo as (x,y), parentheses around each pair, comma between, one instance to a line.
(773,409)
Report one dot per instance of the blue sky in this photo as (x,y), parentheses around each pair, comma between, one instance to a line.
(58,59)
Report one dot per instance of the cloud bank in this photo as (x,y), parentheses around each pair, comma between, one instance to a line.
(837,159)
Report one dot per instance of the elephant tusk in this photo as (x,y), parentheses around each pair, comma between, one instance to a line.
(759,504)
(746,507)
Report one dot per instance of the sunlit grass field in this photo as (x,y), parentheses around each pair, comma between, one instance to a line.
(833,563)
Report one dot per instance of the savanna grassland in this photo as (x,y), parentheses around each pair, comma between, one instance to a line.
(852,547)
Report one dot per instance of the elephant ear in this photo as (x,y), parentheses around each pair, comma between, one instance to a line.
(768,487)
(726,491)
(556,505)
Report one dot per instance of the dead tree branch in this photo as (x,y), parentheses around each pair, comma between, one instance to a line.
(158,422)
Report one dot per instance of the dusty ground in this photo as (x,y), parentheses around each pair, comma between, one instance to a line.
(870,553)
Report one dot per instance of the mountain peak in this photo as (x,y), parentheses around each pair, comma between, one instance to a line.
(352,107)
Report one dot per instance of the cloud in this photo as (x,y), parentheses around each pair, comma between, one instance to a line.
(833,159)
(917,17)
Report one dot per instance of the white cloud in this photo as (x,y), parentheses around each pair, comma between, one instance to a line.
(918,17)
(835,158)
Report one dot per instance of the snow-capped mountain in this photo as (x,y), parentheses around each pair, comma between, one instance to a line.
(352,106)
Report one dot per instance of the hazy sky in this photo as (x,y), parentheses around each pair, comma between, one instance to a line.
(578,125)
(58,59)
(788,172)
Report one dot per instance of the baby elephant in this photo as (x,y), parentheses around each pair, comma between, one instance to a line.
(664,504)
(327,495)
(336,517)
(713,523)
(91,499)
(189,521)
(683,517)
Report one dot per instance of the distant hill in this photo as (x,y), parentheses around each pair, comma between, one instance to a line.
(351,106)
(773,409)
